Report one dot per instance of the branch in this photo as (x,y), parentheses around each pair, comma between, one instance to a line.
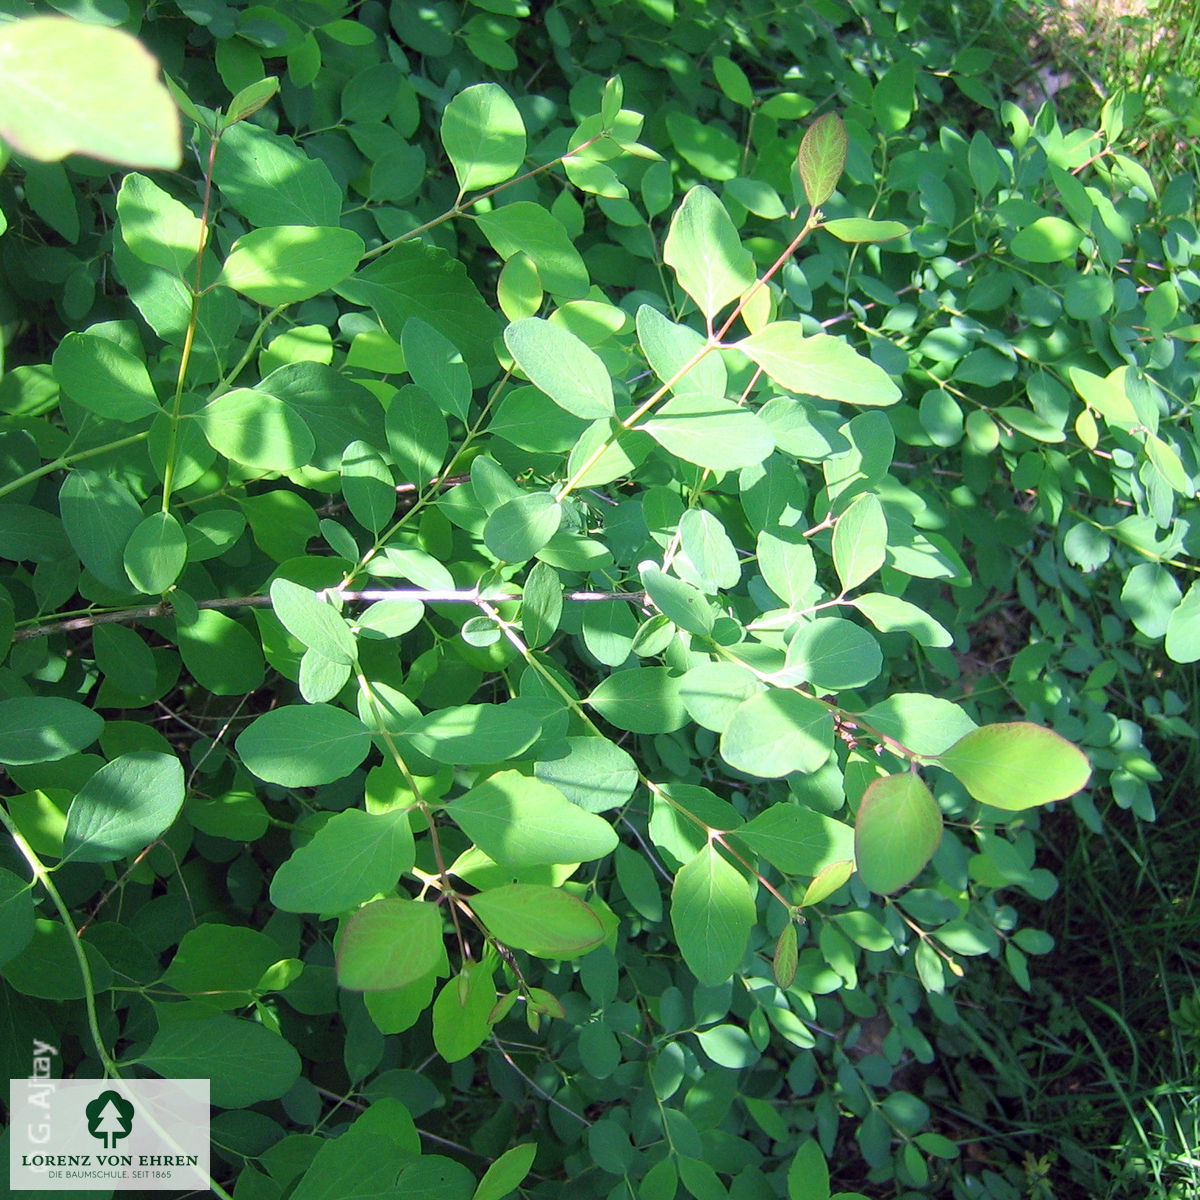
(122,616)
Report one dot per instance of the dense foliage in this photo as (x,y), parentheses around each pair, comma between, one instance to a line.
(549,571)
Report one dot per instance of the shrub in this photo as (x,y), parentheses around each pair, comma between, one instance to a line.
(557,622)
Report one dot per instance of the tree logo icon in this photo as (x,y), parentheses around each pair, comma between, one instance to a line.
(109,1118)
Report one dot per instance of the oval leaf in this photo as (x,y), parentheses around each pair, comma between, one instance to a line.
(389,943)
(54,100)
(1016,765)
(522,822)
(546,921)
(712,912)
(302,745)
(898,827)
(822,158)
(286,263)
(124,807)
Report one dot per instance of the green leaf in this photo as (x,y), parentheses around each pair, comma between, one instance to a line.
(640,700)
(786,959)
(797,840)
(16,915)
(541,605)
(218,1048)
(1047,240)
(898,827)
(222,656)
(506,1173)
(860,541)
(523,227)
(257,430)
(921,723)
(729,1046)
(437,367)
(286,263)
(592,772)
(519,528)
(300,745)
(861,229)
(313,621)
(833,654)
(461,1012)
(669,348)
(156,227)
(67,87)
(703,249)
(484,136)
(683,604)
(418,280)
(1183,629)
(808,1173)
(890,614)
(522,822)
(785,560)
(220,966)
(48,969)
(123,807)
(156,553)
(818,365)
(368,486)
(104,377)
(777,732)
(710,431)
(711,557)
(417,436)
(475,733)
(822,158)
(36,729)
(99,515)
(704,146)
(712,912)
(365,1160)
(711,692)
(250,99)
(269,180)
(1016,765)
(352,857)
(1106,394)
(562,366)
(546,921)
(388,944)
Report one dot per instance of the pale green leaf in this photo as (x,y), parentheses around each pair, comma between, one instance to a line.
(891,614)
(546,921)
(286,263)
(862,229)
(898,827)
(776,732)
(521,822)
(562,366)
(484,136)
(67,87)
(818,365)
(519,528)
(797,840)
(706,254)
(822,158)
(710,431)
(389,943)
(257,430)
(104,377)
(313,621)
(351,858)
(712,912)
(303,745)
(156,227)
(1016,765)
(860,541)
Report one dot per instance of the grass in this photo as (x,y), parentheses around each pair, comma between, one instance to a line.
(1090,1086)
